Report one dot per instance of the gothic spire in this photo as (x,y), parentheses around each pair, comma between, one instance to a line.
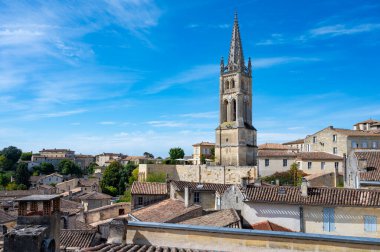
(236,57)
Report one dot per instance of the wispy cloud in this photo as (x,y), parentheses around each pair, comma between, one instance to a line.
(339,29)
(196,73)
(107,123)
(166,124)
(211,114)
(212,26)
(269,62)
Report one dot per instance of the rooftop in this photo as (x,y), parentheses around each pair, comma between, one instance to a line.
(149,188)
(318,156)
(269,226)
(75,238)
(163,211)
(204,144)
(298,141)
(370,121)
(317,196)
(356,133)
(41,197)
(274,146)
(95,196)
(194,186)
(136,247)
(222,218)
(5,217)
(276,153)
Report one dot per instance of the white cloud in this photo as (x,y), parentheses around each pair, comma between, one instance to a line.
(269,62)
(166,124)
(64,113)
(212,114)
(196,73)
(107,123)
(339,29)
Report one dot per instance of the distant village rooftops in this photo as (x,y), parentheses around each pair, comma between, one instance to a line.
(276,153)
(149,188)
(74,238)
(194,186)
(95,195)
(274,146)
(222,218)
(169,210)
(369,121)
(56,150)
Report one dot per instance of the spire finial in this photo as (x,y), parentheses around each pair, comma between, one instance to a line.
(236,16)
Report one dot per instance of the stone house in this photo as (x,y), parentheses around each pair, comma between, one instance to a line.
(341,141)
(319,210)
(274,158)
(86,185)
(93,200)
(319,162)
(205,194)
(147,193)
(202,148)
(296,144)
(363,169)
(367,125)
(105,159)
(84,161)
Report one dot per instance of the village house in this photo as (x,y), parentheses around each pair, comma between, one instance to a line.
(105,159)
(84,161)
(93,200)
(320,210)
(202,149)
(296,144)
(147,193)
(341,141)
(86,185)
(369,124)
(319,162)
(205,194)
(363,169)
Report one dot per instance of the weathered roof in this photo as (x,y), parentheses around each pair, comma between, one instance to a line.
(274,146)
(318,156)
(88,182)
(269,226)
(41,197)
(370,121)
(276,153)
(56,150)
(372,157)
(70,206)
(135,247)
(222,218)
(316,196)
(5,217)
(95,196)
(204,144)
(298,141)
(194,186)
(355,133)
(76,238)
(19,193)
(35,179)
(149,188)
(370,176)
(129,158)
(163,211)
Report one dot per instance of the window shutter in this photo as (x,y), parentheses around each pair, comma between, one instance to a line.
(325,219)
(366,224)
(332,220)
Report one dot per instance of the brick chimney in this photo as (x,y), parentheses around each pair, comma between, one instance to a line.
(117,231)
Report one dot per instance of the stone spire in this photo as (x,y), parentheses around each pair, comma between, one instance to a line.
(236,57)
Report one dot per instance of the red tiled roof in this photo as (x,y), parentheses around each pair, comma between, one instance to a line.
(204,143)
(149,188)
(180,186)
(164,211)
(370,176)
(76,238)
(370,121)
(274,146)
(270,226)
(298,141)
(372,157)
(222,218)
(135,247)
(316,196)
(318,156)
(95,196)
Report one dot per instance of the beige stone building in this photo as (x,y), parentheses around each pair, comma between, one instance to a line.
(341,141)
(296,144)
(369,124)
(105,159)
(363,169)
(202,149)
(235,135)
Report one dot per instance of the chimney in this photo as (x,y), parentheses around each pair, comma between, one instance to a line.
(244,181)
(257,183)
(277,182)
(187,197)
(117,231)
(304,187)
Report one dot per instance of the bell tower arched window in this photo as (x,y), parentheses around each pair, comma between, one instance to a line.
(233,118)
(226,85)
(224,112)
(232,83)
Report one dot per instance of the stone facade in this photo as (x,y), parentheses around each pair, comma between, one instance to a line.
(235,136)
(200,173)
(202,149)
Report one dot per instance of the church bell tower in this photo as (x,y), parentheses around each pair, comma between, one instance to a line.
(236,142)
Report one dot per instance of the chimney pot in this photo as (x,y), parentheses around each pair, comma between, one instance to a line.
(304,187)
(277,182)
(187,197)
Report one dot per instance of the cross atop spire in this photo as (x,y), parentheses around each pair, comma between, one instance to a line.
(236,57)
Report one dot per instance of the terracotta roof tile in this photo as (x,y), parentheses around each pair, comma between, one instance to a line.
(149,188)
(270,226)
(276,153)
(164,211)
(316,196)
(274,146)
(135,247)
(95,196)
(76,238)
(5,217)
(298,141)
(222,218)
(370,121)
(194,186)
(354,133)
(204,143)
(318,156)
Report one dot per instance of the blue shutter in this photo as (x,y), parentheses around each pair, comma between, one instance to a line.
(332,219)
(370,223)
(366,224)
(325,219)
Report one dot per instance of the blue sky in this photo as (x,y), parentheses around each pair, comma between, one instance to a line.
(142,75)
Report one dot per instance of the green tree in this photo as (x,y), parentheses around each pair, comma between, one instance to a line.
(148,155)
(4,179)
(134,177)
(91,168)
(26,156)
(203,159)
(126,196)
(293,176)
(110,190)
(156,177)
(11,186)
(111,177)
(67,167)
(11,153)
(22,174)
(176,153)
(46,168)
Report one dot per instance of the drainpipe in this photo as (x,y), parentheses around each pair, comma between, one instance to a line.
(302,221)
